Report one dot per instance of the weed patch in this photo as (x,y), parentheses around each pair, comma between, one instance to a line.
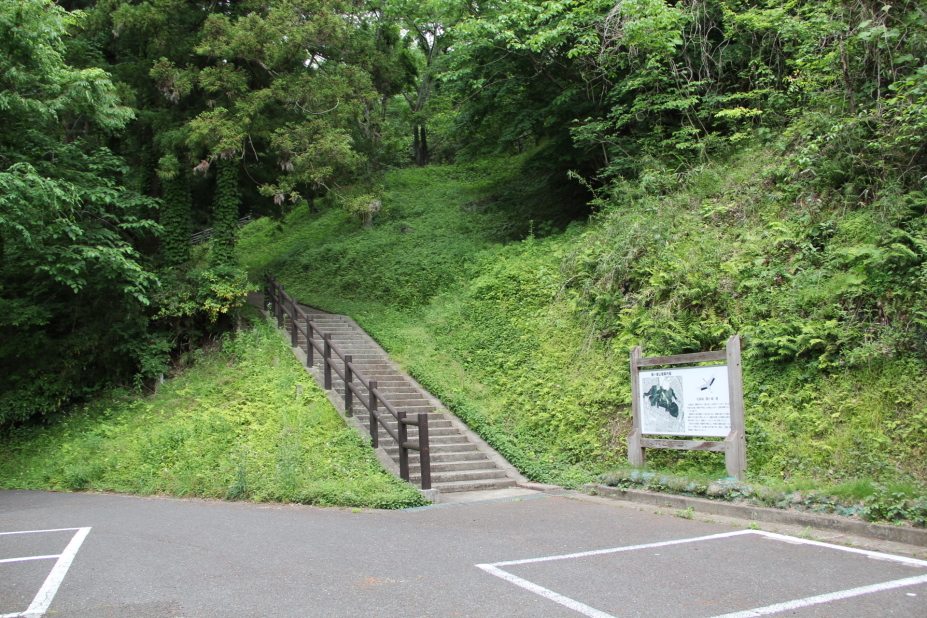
(230,427)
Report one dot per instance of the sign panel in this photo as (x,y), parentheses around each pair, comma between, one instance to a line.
(690,401)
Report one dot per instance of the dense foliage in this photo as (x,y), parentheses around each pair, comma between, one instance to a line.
(72,279)
(230,428)
(510,338)
(750,167)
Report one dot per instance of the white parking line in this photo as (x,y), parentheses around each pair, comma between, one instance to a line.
(46,593)
(615,550)
(38,532)
(573,604)
(826,598)
(586,610)
(29,558)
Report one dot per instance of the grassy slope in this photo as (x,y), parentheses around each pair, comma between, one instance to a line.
(229,427)
(539,367)
(468,317)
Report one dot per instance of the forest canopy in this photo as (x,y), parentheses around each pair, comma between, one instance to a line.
(127,125)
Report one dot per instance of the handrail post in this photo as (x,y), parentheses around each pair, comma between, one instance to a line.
(326,361)
(348,395)
(280,296)
(423,450)
(294,338)
(374,427)
(266,292)
(310,349)
(403,451)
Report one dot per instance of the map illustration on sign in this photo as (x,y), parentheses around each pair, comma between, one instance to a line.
(690,401)
(662,406)
(663,398)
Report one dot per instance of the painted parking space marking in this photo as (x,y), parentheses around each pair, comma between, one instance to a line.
(29,558)
(49,588)
(826,598)
(586,610)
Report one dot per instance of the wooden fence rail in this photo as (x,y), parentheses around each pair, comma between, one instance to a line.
(204,235)
(282,305)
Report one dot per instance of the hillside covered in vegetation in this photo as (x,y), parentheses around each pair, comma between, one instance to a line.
(509,195)
(516,338)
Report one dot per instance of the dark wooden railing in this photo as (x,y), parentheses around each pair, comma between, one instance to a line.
(204,235)
(282,305)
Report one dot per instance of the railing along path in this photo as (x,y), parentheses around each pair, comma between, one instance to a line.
(205,235)
(285,305)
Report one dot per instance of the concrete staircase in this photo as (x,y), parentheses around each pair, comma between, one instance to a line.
(460,460)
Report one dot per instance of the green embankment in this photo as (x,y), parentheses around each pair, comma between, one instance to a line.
(228,427)
(528,340)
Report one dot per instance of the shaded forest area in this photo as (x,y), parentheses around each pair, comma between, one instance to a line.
(753,167)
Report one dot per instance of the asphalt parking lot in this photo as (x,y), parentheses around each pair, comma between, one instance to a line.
(106,555)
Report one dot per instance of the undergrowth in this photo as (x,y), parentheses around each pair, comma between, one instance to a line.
(528,340)
(230,427)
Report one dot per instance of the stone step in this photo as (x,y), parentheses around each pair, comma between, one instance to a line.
(386,389)
(473,485)
(451,466)
(389,395)
(397,401)
(477,458)
(435,440)
(433,416)
(432,423)
(464,475)
(441,440)
(433,436)
(444,449)
(358,354)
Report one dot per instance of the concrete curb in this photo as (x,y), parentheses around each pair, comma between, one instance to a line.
(897,534)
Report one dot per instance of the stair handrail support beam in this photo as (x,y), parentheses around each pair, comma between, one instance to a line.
(403,451)
(424,450)
(327,361)
(374,417)
(348,393)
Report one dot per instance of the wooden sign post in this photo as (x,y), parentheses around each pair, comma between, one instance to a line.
(706,401)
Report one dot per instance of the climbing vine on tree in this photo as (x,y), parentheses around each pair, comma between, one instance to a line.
(175,218)
(225,213)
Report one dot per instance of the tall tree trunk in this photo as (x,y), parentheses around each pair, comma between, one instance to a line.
(175,218)
(225,213)
(420,145)
(424,144)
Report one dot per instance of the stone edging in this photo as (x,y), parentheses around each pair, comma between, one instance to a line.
(884,532)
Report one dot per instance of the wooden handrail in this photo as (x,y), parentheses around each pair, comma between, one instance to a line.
(275,294)
(204,235)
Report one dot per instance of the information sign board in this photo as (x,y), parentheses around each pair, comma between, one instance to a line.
(704,400)
(685,401)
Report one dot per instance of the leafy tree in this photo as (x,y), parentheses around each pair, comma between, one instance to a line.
(281,89)
(429,27)
(72,280)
